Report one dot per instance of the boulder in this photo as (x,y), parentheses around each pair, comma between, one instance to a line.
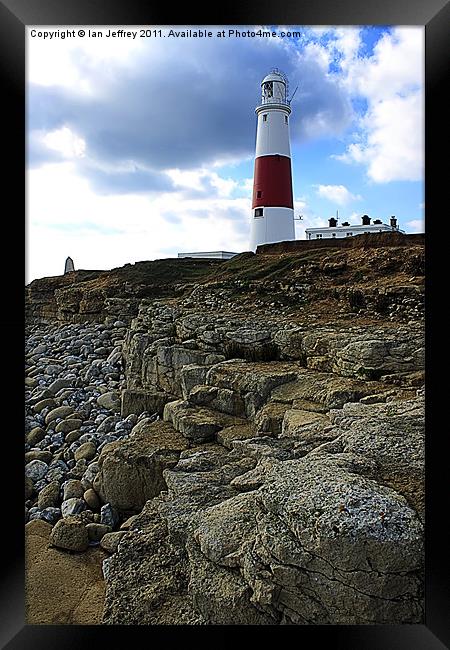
(35,435)
(59,412)
(137,401)
(198,424)
(86,451)
(68,425)
(110,541)
(228,435)
(70,534)
(72,506)
(96,531)
(92,499)
(131,470)
(252,381)
(72,489)
(110,401)
(49,496)
(36,470)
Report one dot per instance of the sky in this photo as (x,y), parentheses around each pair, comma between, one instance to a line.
(142,147)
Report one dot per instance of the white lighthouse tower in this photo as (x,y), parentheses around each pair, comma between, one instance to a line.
(272,205)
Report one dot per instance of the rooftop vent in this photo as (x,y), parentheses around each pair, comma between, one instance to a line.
(345,223)
(377,221)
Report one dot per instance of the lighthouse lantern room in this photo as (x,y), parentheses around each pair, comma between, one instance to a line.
(272,204)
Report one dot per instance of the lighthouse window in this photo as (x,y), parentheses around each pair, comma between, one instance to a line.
(258,194)
(268,89)
(259,212)
(286,119)
(264,118)
(318,236)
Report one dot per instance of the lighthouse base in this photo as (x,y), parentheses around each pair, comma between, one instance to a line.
(274,225)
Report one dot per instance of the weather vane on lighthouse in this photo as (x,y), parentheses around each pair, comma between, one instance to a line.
(272,205)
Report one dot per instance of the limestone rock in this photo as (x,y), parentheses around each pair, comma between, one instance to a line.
(29,487)
(36,470)
(110,541)
(44,455)
(72,506)
(87,451)
(217,399)
(110,401)
(192,375)
(68,425)
(253,381)
(228,435)
(59,412)
(35,435)
(199,424)
(49,496)
(92,499)
(147,577)
(297,421)
(131,470)
(138,401)
(269,418)
(72,489)
(70,534)
(96,531)
(393,435)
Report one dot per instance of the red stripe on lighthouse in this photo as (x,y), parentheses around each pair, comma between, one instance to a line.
(272,184)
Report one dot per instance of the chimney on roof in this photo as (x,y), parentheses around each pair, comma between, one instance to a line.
(332,222)
(366,220)
(393,222)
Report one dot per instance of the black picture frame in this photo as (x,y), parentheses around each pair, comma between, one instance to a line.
(434,15)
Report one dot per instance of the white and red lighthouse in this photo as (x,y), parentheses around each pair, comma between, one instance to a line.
(272,205)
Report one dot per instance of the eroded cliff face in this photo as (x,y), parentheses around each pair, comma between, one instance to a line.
(283,482)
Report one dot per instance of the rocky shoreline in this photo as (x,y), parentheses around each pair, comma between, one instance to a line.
(242,465)
(74,376)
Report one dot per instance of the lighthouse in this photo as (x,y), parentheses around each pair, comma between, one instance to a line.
(272,217)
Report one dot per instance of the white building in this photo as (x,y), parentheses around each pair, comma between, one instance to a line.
(211,255)
(347,230)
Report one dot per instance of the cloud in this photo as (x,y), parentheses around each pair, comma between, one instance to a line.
(101,231)
(323,103)
(392,149)
(416,225)
(198,182)
(175,103)
(390,141)
(65,142)
(336,194)
(128,179)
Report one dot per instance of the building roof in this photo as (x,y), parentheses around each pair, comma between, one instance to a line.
(359,226)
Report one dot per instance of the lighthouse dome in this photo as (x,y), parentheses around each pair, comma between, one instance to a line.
(274,76)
